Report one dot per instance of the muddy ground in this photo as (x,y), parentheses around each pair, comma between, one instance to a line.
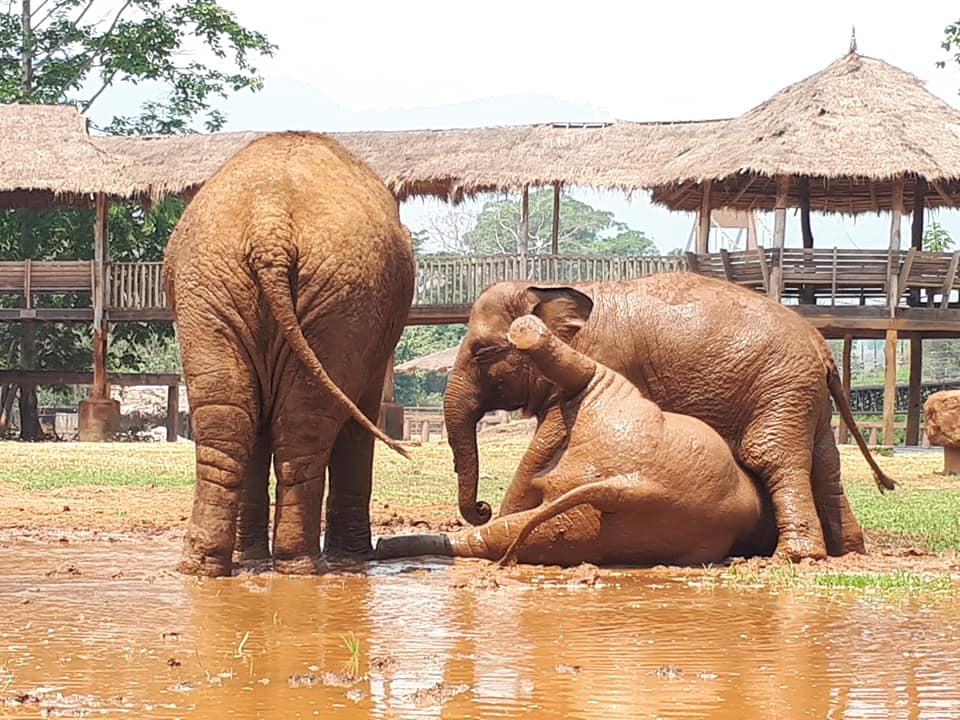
(138,514)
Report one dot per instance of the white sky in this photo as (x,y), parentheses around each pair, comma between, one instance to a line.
(389,65)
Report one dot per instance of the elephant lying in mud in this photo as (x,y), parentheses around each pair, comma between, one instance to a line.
(630,484)
(755,371)
(290,277)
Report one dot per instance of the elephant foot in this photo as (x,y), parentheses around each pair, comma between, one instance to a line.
(204,565)
(796,546)
(252,554)
(300,565)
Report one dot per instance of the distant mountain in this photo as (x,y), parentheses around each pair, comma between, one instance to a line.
(286,104)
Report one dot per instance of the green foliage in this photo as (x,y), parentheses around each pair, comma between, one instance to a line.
(583,229)
(423,389)
(936,238)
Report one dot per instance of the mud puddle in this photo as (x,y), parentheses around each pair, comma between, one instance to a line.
(108,630)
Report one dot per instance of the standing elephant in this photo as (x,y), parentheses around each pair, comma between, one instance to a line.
(755,371)
(290,277)
(628,484)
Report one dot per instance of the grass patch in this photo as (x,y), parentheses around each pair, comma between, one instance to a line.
(787,576)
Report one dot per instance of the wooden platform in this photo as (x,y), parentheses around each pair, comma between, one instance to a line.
(859,292)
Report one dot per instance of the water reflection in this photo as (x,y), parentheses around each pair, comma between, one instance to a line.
(112,622)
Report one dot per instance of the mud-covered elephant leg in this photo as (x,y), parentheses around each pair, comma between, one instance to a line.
(347,531)
(302,438)
(784,465)
(253,517)
(523,493)
(225,436)
(841,529)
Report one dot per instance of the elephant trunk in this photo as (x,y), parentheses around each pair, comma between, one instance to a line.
(461,412)
(570,370)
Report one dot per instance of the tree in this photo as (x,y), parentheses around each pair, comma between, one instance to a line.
(936,238)
(56,51)
(496,229)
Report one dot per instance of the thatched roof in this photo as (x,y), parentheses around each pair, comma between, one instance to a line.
(46,156)
(851,128)
(440,361)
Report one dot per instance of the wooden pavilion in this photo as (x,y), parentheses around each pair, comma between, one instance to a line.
(860,136)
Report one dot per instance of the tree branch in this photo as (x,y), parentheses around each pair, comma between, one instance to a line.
(106,83)
(85,66)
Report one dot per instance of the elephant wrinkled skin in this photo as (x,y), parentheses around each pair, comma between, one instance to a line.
(630,484)
(291,278)
(755,371)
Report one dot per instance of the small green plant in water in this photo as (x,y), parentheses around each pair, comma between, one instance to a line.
(897,580)
(352,643)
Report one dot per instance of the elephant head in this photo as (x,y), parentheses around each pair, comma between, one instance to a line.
(490,374)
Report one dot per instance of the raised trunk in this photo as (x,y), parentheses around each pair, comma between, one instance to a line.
(461,411)
(572,371)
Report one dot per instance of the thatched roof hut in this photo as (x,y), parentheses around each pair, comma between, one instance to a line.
(851,130)
(440,361)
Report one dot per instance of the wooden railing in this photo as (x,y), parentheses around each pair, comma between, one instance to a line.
(136,286)
(458,280)
(818,275)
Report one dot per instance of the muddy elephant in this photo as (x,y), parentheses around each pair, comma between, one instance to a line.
(755,371)
(291,278)
(629,484)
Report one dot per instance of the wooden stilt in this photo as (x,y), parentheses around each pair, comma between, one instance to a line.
(173,412)
(703,222)
(916,229)
(555,235)
(779,236)
(525,222)
(391,419)
(807,295)
(893,265)
(889,387)
(914,401)
(844,433)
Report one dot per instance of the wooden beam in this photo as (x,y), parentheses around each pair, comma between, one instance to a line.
(703,222)
(555,234)
(388,380)
(872,186)
(173,411)
(525,221)
(101,256)
(914,397)
(805,212)
(779,235)
(54,377)
(949,280)
(947,200)
(893,263)
(671,197)
(743,191)
(727,265)
(889,386)
(844,431)
(916,225)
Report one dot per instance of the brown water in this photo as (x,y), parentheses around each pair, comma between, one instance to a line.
(148,643)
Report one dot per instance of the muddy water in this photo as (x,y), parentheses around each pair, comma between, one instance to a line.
(86,629)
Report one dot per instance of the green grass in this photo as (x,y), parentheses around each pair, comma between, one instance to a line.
(898,581)
(929,516)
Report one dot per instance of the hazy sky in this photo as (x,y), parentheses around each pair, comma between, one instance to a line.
(395,65)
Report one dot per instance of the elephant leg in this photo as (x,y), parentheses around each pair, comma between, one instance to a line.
(523,493)
(841,529)
(347,531)
(784,464)
(253,518)
(302,438)
(225,435)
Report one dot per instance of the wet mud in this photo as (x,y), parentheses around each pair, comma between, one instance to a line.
(103,627)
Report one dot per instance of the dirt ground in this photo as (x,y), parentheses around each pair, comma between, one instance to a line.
(160,514)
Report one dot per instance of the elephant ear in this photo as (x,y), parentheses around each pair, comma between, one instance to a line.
(562,309)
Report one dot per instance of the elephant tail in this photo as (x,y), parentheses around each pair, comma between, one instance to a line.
(884,481)
(273,269)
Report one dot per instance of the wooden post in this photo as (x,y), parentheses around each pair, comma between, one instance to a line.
(525,223)
(916,229)
(388,381)
(703,222)
(807,296)
(893,264)
(173,411)
(555,235)
(779,235)
(101,254)
(844,431)
(889,387)
(913,402)
(391,419)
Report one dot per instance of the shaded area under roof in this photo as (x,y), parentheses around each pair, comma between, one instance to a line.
(440,361)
